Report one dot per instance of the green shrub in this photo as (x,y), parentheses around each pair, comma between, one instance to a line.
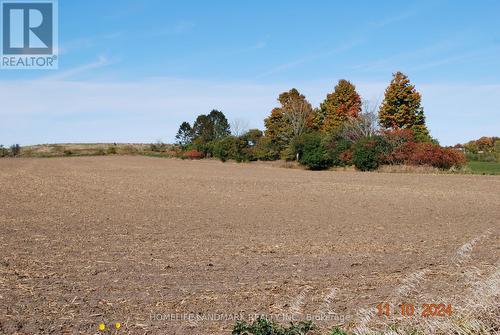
(367,153)
(207,149)
(111,150)
(4,152)
(265,150)
(154,148)
(100,152)
(289,153)
(263,326)
(68,152)
(252,137)
(339,150)
(158,147)
(231,147)
(312,152)
(483,157)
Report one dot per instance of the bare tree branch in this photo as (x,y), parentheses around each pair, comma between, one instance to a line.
(365,125)
(297,113)
(239,127)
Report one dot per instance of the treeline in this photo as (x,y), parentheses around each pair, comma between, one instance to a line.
(13,151)
(485,149)
(342,131)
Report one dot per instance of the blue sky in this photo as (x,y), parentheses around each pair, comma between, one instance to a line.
(132,71)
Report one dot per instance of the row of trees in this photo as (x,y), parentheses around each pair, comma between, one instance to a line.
(210,135)
(13,151)
(206,129)
(343,130)
(486,149)
(401,109)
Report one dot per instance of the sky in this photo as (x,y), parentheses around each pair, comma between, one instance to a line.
(133,70)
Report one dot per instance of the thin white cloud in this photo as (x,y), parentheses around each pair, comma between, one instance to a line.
(257,46)
(310,58)
(87,42)
(177,28)
(72,72)
(445,52)
(135,111)
(393,19)
(455,59)
(388,63)
(145,110)
(241,50)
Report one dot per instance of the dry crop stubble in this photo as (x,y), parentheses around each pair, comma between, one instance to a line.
(86,240)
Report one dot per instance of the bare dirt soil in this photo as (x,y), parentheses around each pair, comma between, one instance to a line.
(152,243)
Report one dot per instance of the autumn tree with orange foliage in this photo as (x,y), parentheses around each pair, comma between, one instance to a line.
(401,108)
(340,105)
(289,120)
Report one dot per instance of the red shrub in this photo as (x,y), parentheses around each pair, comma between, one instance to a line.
(193,154)
(446,158)
(346,157)
(398,136)
(424,153)
(398,153)
(400,144)
(402,149)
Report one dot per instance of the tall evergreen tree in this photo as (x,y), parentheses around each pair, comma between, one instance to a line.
(342,103)
(211,127)
(220,125)
(185,134)
(401,108)
(202,129)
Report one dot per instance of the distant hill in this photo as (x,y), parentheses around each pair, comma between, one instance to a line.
(486,149)
(91,149)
